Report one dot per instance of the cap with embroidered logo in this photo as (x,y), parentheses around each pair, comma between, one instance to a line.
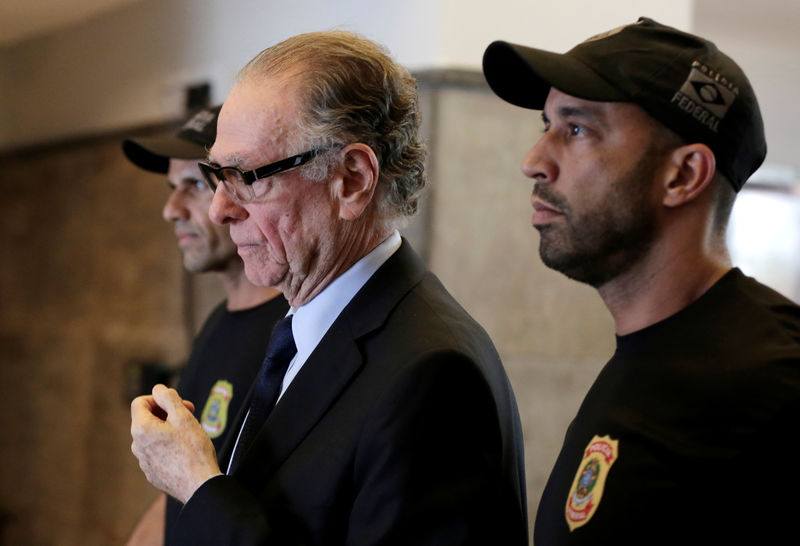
(192,141)
(681,80)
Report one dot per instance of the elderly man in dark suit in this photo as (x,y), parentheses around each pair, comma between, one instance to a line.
(395,422)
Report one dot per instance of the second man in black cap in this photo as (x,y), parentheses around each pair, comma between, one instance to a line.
(228,351)
(689,434)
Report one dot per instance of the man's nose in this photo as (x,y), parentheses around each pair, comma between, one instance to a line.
(225,208)
(175,209)
(539,162)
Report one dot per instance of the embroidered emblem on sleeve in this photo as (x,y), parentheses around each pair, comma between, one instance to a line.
(215,412)
(590,480)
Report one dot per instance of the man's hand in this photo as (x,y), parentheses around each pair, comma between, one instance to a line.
(174,452)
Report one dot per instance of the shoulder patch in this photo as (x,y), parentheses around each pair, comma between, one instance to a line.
(215,412)
(590,480)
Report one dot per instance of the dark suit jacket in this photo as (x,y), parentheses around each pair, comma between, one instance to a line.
(401,428)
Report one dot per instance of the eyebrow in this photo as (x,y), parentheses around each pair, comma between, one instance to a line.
(230,160)
(579,112)
(188,174)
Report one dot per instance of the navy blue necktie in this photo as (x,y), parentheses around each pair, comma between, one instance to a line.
(280,351)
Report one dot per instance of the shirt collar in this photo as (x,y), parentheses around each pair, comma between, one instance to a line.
(313,319)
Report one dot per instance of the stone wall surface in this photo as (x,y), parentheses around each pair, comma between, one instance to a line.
(91,289)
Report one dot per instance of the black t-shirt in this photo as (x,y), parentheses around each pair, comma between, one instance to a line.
(226,356)
(689,435)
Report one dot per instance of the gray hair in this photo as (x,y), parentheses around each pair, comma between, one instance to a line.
(352,91)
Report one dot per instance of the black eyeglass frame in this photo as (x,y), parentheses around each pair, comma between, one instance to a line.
(212,173)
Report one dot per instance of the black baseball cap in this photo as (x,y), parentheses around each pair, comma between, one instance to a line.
(192,141)
(681,80)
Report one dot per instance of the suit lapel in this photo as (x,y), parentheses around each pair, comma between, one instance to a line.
(331,366)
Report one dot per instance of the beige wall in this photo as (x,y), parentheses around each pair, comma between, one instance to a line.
(89,286)
(553,334)
(129,65)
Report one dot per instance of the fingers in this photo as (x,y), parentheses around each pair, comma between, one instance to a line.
(162,404)
(175,454)
(168,399)
(175,408)
(170,402)
(144,413)
(144,407)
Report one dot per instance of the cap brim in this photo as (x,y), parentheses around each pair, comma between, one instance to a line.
(153,154)
(524,75)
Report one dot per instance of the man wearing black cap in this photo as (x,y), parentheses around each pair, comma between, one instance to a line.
(228,351)
(689,433)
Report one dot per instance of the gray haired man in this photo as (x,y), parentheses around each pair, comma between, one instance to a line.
(395,422)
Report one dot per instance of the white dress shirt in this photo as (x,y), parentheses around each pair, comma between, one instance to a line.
(313,319)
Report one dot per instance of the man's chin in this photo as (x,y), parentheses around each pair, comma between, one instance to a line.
(260,275)
(584,268)
(208,263)
(552,249)
(559,259)
(195,264)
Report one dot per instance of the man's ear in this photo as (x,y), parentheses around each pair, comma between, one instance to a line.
(691,169)
(355,186)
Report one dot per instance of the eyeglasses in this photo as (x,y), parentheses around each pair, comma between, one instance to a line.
(239,183)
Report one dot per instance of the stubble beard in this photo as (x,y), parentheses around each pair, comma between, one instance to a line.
(201,259)
(599,245)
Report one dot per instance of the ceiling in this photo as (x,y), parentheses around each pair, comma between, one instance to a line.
(23,19)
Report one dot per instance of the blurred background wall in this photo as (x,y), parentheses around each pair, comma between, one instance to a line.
(91,285)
